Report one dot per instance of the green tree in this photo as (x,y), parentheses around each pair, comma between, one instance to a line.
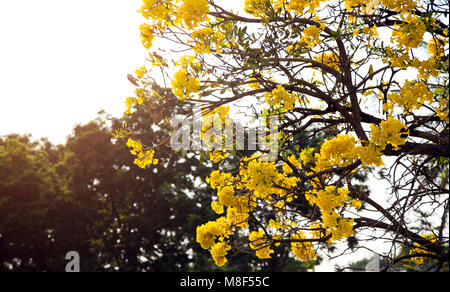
(29,190)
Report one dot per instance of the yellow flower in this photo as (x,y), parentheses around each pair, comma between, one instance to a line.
(391,131)
(156,9)
(299,6)
(311,35)
(192,12)
(403,6)
(370,154)
(261,246)
(329,59)
(280,97)
(420,260)
(218,155)
(436,47)
(226,196)
(371,31)
(219,252)
(329,200)
(183,85)
(306,156)
(340,151)
(410,34)
(412,95)
(217,207)
(218,180)
(256,7)
(206,40)
(140,72)
(144,157)
(261,177)
(442,109)
(356,204)
(130,101)
(208,233)
(302,250)
(147,35)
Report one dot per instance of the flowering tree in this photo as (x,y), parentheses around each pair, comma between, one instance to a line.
(372,75)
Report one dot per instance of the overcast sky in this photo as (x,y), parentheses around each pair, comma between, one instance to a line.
(62,61)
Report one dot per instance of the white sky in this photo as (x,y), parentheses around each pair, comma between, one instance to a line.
(62,61)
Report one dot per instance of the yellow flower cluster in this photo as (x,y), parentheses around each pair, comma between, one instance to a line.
(397,58)
(208,233)
(409,34)
(372,31)
(370,155)
(218,179)
(157,9)
(340,151)
(213,235)
(299,6)
(206,40)
(140,72)
(279,97)
(412,96)
(130,101)
(238,207)
(343,150)
(400,58)
(329,59)
(304,251)
(212,131)
(256,7)
(192,12)
(311,35)
(219,252)
(144,157)
(261,177)
(147,35)
(257,180)
(403,6)
(260,245)
(436,47)
(218,155)
(391,131)
(184,85)
(329,201)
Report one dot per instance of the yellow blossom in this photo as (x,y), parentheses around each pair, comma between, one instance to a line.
(219,252)
(206,40)
(311,35)
(260,245)
(304,251)
(144,157)
(184,85)
(410,33)
(391,131)
(192,12)
(156,9)
(280,97)
(147,35)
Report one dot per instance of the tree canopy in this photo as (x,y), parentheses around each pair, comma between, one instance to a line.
(372,75)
